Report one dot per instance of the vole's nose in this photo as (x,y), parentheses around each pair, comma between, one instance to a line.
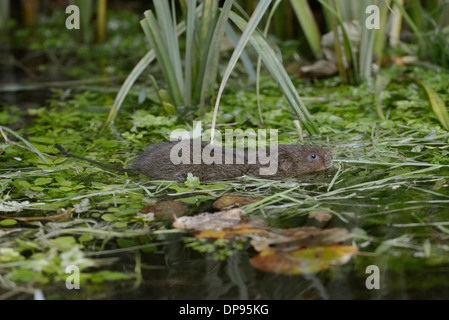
(328,160)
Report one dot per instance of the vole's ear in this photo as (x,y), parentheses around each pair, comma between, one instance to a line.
(285,161)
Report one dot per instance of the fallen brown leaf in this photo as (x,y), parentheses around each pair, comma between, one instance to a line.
(211,221)
(320,216)
(230,201)
(303,261)
(165,209)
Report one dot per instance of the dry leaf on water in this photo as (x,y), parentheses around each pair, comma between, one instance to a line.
(165,209)
(303,261)
(296,238)
(287,251)
(211,221)
(239,231)
(320,216)
(230,201)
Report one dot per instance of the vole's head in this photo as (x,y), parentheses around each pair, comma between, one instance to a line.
(303,159)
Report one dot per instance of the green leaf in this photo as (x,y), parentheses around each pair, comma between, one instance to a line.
(125,243)
(42,181)
(192,181)
(64,243)
(8,222)
(109,217)
(438,105)
(120,225)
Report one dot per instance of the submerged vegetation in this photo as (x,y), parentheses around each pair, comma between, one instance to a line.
(385,201)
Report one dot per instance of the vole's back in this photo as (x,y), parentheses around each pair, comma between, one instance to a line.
(162,161)
(159,162)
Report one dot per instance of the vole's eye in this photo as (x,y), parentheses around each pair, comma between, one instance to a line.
(313,156)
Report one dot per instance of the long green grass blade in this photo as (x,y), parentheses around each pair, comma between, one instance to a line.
(349,52)
(366,48)
(132,77)
(381,34)
(438,105)
(244,58)
(259,59)
(170,39)
(279,73)
(210,8)
(416,13)
(413,26)
(155,36)
(209,69)
(127,85)
(308,24)
(396,26)
(191,13)
(260,10)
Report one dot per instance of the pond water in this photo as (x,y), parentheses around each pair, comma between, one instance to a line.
(396,214)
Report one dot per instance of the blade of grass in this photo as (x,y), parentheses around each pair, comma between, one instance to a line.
(279,73)
(101,23)
(259,60)
(252,24)
(4,14)
(170,39)
(210,8)
(132,77)
(308,25)
(380,34)
(124,90)
(349,52)
(191,13)
(415,28)
(244,57)
(438,105)
(396,25)
(208,70)
(155,36)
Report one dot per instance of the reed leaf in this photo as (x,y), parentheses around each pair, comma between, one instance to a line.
(154,34)
(247,32)
(208,70)
(415,27)
(380,34)
(308,24)
(259,60)
(438,105)
(189,50)
(132,77)
(279,73)
(366,49)
(169,38)
(349,52)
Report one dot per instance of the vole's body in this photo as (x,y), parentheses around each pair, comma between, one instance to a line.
(157,163)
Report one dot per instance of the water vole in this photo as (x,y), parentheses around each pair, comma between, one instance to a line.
(168,161)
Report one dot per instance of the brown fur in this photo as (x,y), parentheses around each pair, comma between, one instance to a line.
(156,163)
(292,160)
